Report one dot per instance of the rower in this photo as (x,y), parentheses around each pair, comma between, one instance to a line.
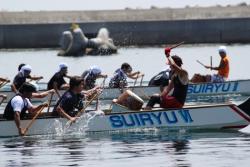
(161,79)
(71,100)
(57,82)
(179,84)
(19,104)
(21,77)
(223,69)
(89,76)
(119,79)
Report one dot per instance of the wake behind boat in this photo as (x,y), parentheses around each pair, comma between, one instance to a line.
(213,117)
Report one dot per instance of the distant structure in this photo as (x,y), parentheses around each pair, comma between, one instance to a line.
(74,43)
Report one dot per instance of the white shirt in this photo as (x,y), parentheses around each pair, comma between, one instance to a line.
(18,103)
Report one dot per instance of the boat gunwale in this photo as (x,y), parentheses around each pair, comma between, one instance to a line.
(109,112)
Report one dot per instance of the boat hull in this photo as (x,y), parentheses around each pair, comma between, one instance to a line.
(191,118)
(194,90)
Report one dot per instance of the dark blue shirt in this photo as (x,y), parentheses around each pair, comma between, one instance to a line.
(19,80)
(69,102)
(58,78)
(119,80)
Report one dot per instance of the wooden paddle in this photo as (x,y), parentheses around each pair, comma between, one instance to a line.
(3,83)
(136,80)
(102,87)
(69,123)
(3,98)
(50,99)
(176,45)
(141,80)
(200,63)
(211,62)
(33,120)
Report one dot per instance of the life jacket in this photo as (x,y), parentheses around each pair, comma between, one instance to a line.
(9,111)
(224,72)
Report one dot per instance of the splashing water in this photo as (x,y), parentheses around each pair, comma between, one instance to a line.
(63,127)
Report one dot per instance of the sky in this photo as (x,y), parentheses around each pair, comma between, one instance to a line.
(42,5)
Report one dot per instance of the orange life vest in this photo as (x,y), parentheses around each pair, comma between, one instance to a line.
(224,72)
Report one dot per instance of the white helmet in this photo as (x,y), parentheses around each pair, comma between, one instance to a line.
(26,68)
(95,70)
(62,65)
(222,49)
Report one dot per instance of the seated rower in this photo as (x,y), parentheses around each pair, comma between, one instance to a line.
(19,104)
(21,77)
(57,82)
(179,84)
(89,76)
(161,79)
(119,79)
(71,100)
(223,70)
(129,100)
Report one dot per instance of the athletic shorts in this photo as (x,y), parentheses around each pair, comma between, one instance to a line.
(170,102)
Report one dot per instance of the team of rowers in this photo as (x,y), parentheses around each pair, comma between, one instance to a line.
(173,83)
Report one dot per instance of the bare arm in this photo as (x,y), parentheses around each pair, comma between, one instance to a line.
(91,91)
(64,114)
(43,94)
(4,80)
(35,78)
(68,76)
(18,124)
(13,88)
(55,87)
(221,66)
(135,75)
(34,109)
(102,76)
(167,89)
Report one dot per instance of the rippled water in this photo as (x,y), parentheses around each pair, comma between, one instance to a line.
(142,148)
(149,60)
(130,149)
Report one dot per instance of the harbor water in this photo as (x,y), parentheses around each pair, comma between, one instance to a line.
(146,148)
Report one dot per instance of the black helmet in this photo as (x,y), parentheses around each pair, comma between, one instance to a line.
(177,60)
(27,87)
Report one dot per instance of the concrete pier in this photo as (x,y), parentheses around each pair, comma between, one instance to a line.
(129,27)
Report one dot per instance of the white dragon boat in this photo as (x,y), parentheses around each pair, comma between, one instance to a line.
(236,87)
(213,117)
